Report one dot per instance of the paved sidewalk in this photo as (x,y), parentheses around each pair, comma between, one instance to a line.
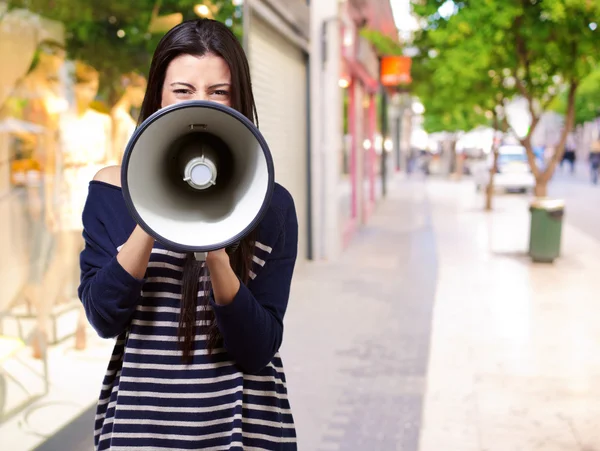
(357,333)
(515,357)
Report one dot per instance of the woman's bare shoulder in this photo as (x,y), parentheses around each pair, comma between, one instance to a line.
(110,175)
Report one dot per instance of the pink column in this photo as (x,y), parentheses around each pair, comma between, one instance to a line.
(351,222)
(372,151)
(352,130)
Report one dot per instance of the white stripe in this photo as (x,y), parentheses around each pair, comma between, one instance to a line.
(165,265)
(180,381)
(193,438)
(167,409)
(169,280)
(153,394)
(160,309)
(262,408)
(157,352)
(168,253)
(171,366)
(149,408)
(140,322)
(269,438)
(163,337)
(258,260)
(174,423)
(272,424)
(252,274)
(173,281)
(166,294)
(138,408)
(214,448)
(107,386)
(264,247)
(264,379)
(267,393)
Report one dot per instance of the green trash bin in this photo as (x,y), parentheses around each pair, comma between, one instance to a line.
(546,229)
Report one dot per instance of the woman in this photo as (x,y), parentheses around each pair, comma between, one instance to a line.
(190,369)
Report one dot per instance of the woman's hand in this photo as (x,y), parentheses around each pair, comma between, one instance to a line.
(135,253)
(225,283)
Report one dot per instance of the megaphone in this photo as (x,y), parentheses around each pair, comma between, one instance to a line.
(197,176)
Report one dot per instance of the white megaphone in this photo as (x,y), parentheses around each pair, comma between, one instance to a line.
(197,176)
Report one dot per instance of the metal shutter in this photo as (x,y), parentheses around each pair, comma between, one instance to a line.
(278,70)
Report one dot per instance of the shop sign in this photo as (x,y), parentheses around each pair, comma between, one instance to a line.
(395,70)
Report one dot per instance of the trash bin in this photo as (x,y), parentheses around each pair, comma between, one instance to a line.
(546,229)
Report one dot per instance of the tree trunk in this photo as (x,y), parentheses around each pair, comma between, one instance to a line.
(458,165)
(489,192)
(452,158)
(541,188)
(559,152)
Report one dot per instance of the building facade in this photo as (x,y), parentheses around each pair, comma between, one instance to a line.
(347,145)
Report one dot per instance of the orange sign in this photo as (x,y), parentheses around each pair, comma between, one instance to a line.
(395,70)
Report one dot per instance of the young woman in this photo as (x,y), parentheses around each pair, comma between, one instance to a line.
(196,363)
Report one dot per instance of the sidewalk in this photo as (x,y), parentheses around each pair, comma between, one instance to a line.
(515,361)
(357,333)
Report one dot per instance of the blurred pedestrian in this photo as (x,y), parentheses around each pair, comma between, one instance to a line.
(595,161)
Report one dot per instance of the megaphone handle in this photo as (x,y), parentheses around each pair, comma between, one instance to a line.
(200,256)
(231,249)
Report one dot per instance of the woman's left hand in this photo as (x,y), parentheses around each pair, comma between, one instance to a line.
(225,283)
(219,256)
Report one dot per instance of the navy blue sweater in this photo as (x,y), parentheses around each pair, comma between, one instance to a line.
(234,398)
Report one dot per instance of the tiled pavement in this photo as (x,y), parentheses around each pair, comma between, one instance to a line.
(357,334)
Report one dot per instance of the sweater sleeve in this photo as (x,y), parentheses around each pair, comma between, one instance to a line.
(252,324)
(108,292)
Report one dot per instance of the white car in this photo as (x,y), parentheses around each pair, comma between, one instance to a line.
(512,171)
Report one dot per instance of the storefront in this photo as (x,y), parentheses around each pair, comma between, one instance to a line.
(362,143)
(72,79)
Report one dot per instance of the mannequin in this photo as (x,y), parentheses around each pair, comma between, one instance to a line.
(37,99)
(85,148)
(123,123)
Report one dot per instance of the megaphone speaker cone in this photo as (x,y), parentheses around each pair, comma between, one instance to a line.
(197,176)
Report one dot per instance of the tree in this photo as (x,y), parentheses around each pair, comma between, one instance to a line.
(535,47)
(114,36)
(587,100)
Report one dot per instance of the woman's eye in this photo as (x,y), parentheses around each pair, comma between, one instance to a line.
(221,93)
(182,91)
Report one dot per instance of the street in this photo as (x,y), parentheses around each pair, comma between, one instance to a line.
(583,199)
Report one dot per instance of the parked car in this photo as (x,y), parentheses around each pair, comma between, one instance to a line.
(512,170)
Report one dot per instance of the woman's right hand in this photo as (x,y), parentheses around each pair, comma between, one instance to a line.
(135,253)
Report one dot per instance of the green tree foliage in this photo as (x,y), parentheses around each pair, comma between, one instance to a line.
(113,35)
(587,99)
(535,48)
(383,44)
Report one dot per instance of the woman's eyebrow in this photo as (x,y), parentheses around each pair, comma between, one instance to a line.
(219,85)
(183,84)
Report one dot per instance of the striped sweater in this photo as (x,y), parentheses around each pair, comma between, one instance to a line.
(235,398)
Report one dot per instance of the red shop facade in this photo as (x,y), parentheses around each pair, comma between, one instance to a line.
(362,141)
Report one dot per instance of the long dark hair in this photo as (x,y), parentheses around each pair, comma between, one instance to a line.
(198,38)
